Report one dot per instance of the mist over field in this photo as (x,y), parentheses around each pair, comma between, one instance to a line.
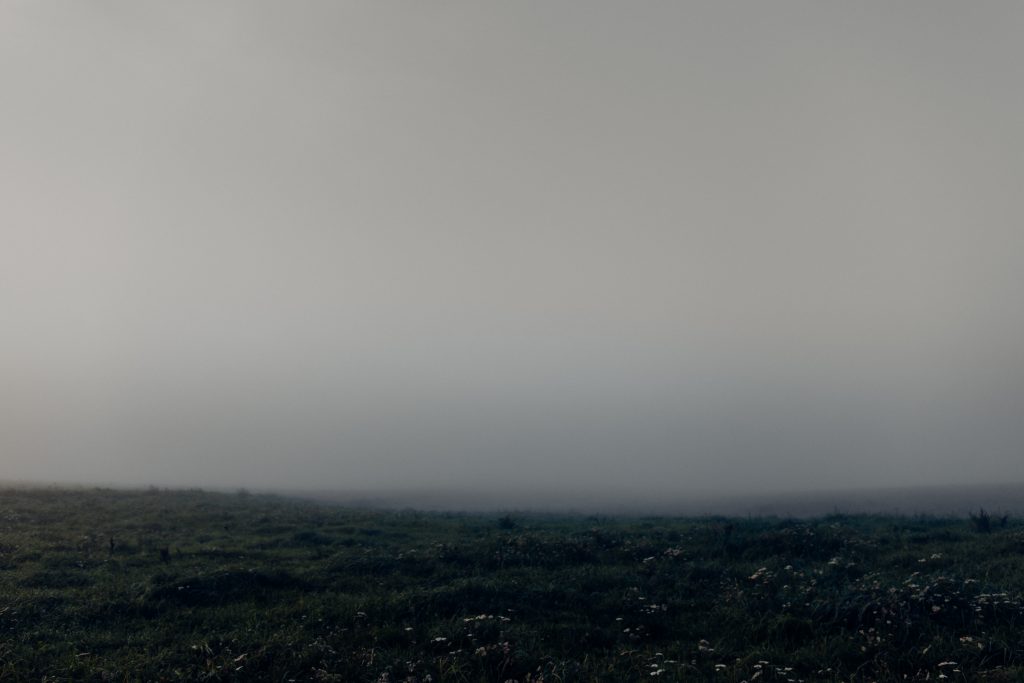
(601,251)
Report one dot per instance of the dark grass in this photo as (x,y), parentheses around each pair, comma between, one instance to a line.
(260,588)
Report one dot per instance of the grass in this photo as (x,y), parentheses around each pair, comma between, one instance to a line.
(184,585)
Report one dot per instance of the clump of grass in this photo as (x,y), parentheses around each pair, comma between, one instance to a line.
(983,522)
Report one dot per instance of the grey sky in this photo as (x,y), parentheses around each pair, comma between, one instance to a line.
(662,245)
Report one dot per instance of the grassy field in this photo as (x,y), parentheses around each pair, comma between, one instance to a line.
(157,585)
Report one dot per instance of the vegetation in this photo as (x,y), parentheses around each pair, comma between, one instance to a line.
(159,585)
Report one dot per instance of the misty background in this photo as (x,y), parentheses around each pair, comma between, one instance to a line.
(657,248)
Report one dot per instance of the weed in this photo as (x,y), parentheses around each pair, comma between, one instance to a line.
(981,522)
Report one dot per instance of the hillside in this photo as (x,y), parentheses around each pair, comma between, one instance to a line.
(163,585)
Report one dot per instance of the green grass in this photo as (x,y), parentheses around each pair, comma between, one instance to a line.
(261,588)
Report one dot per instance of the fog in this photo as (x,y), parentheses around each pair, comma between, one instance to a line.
(663,248)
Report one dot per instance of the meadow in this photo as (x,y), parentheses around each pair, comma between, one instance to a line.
(113,585)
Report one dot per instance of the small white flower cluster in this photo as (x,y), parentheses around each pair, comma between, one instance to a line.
(485,617)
